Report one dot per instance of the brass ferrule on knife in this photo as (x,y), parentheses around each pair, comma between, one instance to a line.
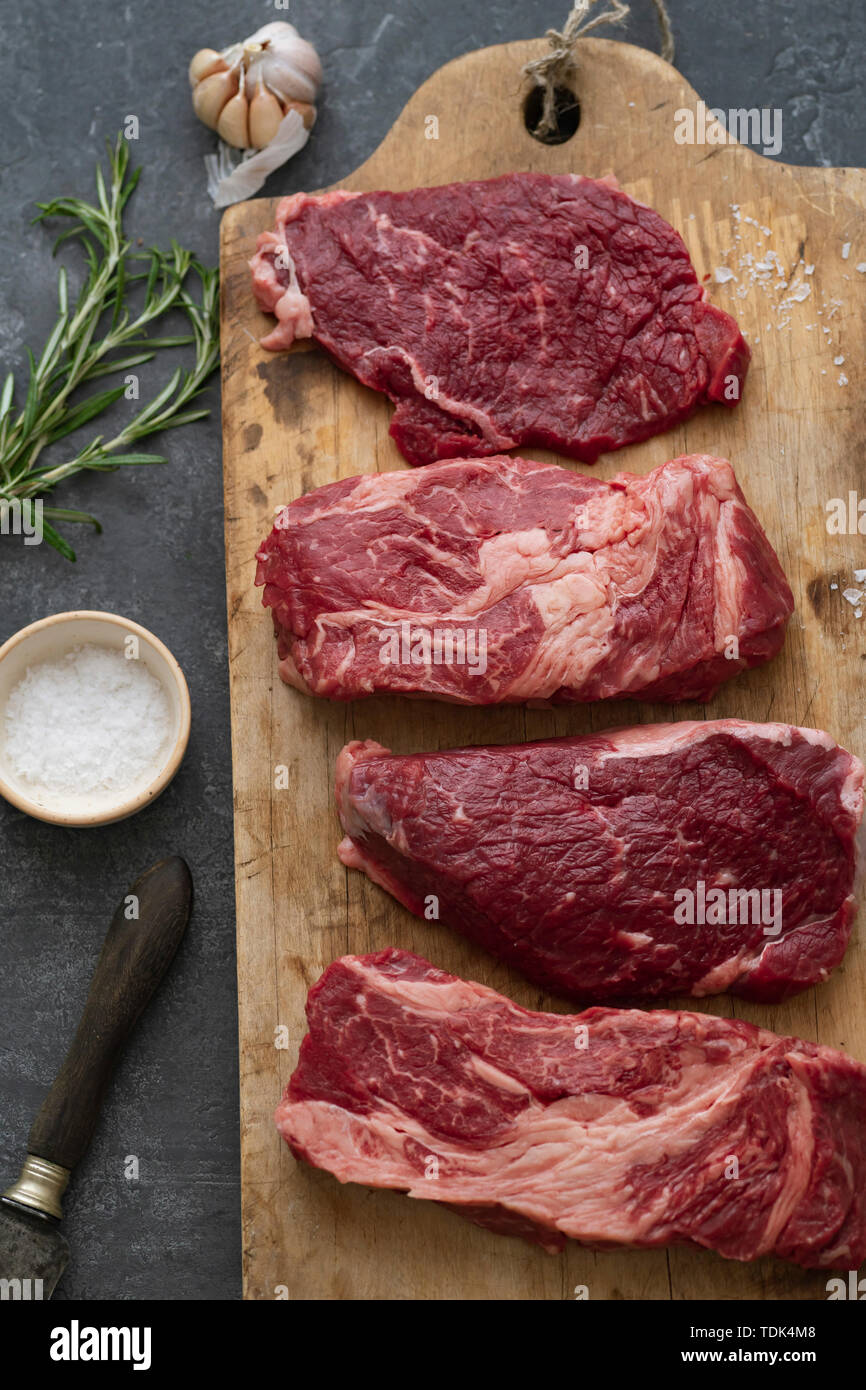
(40,1185)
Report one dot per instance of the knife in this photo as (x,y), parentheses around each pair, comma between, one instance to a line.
(144,935)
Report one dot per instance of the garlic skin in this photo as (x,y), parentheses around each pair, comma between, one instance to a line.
(245,91)
(233,177)
(287,64)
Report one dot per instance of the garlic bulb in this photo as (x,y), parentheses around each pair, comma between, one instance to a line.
(244,92)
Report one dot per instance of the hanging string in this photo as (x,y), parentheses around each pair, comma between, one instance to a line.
(668,45)
(555,68)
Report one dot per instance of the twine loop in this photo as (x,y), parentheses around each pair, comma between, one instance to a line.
(554,69)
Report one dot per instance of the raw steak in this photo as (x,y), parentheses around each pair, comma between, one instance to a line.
(687,858)
(529,309)
(484,581)
(611,1127)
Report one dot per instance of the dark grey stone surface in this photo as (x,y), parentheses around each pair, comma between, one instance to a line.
(175,1233)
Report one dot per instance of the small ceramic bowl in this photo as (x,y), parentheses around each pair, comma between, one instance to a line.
(49,640)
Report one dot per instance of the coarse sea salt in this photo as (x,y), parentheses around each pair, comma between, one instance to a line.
(92,720)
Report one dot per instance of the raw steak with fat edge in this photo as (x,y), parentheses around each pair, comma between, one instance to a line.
(504,580)
(536,309)
(612,1127)
(691,858)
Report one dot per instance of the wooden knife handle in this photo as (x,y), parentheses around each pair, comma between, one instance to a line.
(135,956)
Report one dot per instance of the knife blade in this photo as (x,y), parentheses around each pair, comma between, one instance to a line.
(140,945)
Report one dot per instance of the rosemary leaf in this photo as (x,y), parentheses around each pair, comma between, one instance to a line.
(125,293)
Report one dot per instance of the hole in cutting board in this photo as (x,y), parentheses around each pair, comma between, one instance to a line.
(566,110)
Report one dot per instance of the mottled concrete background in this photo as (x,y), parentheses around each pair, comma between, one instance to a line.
(175,1233)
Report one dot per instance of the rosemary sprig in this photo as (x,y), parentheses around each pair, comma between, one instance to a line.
(101,334)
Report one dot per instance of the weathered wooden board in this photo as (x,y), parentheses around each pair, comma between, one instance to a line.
(293,422)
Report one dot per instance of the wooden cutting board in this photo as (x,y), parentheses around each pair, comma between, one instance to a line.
(293,422)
